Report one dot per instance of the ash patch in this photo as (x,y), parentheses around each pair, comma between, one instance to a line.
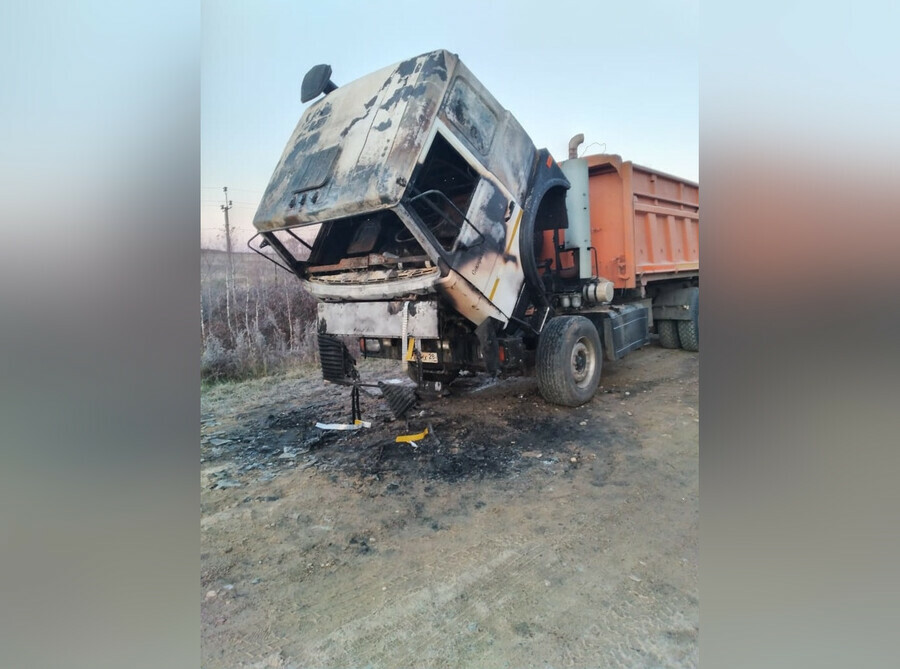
(474,435)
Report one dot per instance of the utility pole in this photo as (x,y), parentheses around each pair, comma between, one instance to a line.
(229,268)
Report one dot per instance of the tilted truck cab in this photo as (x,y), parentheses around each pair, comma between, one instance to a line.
(420,214)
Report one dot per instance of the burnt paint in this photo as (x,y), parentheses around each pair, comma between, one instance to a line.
(488,219)
(498,208)
(368,108)
(301,147)
(403,93)
(407,67)
(396,306)
(543,178)
(319,118)
(422,102)
(314,170)
(435,65)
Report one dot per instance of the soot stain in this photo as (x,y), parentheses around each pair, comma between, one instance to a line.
(470,438)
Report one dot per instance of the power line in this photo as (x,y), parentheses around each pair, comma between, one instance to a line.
(242,190)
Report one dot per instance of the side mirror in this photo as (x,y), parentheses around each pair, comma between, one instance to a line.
(317,80)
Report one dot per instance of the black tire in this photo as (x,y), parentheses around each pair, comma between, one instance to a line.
(689,334)
(689,331)
(668,334)
(569,361)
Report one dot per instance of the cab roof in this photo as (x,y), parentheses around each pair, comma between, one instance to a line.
(354,150)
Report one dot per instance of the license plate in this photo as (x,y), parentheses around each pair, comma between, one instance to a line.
(426,356)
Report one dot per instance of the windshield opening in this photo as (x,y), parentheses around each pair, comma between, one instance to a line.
(442,192)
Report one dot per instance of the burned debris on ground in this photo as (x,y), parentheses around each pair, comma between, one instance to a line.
(467,438)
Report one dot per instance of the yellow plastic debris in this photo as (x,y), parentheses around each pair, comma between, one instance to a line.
(406,438)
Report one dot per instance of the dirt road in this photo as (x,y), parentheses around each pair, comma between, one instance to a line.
(517,534)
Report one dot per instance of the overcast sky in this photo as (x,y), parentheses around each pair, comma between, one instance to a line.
(624,74)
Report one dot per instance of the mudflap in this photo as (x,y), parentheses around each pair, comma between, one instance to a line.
(400,399)
(338,366)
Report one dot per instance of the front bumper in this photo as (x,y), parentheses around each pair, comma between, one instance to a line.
(383,319)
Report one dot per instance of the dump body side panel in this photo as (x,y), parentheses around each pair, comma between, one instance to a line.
(645,224)
(666,223)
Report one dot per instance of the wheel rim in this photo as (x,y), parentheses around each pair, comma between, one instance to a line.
(583,362)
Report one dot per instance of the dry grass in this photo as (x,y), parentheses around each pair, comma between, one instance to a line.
(259,323)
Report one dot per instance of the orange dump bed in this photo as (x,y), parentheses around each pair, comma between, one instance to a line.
(645,224)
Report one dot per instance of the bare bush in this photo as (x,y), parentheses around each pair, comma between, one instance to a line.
(272,322)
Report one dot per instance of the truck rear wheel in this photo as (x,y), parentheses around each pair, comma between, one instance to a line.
(569,359)
(689,330)
(689,335)
(668,334)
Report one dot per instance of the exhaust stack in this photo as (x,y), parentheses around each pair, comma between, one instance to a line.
(573,145)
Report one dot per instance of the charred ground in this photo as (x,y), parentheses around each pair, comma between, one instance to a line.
(516,534)
(483,429)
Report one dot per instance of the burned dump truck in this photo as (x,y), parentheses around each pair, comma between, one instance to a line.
(422,217)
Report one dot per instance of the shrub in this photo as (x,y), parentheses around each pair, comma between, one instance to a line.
(261,323)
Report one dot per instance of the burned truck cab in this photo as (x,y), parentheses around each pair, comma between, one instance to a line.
(400,202)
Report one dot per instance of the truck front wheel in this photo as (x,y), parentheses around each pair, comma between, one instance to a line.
(569,358)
